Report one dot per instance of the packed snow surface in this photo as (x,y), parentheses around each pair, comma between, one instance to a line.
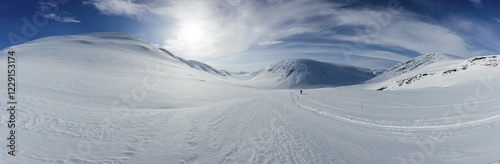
(111,98)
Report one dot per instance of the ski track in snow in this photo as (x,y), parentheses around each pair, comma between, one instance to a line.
(486,118)
(233,138)
(419,106)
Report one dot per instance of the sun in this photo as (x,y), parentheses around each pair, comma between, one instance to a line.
(193,38)
(192,33)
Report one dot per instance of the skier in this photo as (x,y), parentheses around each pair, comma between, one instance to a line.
(300,91)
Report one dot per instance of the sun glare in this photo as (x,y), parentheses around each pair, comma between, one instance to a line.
(192,34)
(193,38)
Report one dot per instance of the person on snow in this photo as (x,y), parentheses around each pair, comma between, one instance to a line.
(300,91)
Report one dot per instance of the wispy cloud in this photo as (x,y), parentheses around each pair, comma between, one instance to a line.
(411,35)
(221,28)
(270,42)
(119,7)
(47,9)
(233,26)
(477,3)
(497,20)
(480,34)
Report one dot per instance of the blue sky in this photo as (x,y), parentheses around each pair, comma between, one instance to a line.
(248,35)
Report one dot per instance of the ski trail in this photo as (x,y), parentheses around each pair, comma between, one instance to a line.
(191,140)
(371,124)
(297,141)
(415,107)
(249,131)
(443,120)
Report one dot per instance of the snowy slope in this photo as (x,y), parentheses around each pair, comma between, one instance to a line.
(446,74)
(305,73)
(112,98)
(207,68)
(199,65)
(78,89)
(414,64)
(242,75)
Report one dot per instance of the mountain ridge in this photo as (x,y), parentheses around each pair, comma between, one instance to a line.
(412,65)
(198,65)
(460,71)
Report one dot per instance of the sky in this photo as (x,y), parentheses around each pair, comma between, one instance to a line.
(243,35)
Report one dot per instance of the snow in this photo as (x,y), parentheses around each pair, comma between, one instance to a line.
(306,73)
(445,73)
(415,64)
(112,98)
(199,65)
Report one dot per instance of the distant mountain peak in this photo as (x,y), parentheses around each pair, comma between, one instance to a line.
(307,73)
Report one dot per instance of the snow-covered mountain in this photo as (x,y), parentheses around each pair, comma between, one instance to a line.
(207,68)
(112,64)
(306,73)
(199,65)
(243,75)
(415,64)
(449,71)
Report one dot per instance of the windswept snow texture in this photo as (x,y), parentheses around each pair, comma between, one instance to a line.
(111,98)
(305,73)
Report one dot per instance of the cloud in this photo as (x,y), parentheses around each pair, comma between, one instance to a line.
(497,20)
(199,29)
(230,26)
(480,34)
(119,7)
(270,42)
(364,29)
(477,3)
(418,36)
(47,11)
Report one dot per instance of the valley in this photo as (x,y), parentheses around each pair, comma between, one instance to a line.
(113,98)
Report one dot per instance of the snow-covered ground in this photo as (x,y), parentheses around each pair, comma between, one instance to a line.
(111,98)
